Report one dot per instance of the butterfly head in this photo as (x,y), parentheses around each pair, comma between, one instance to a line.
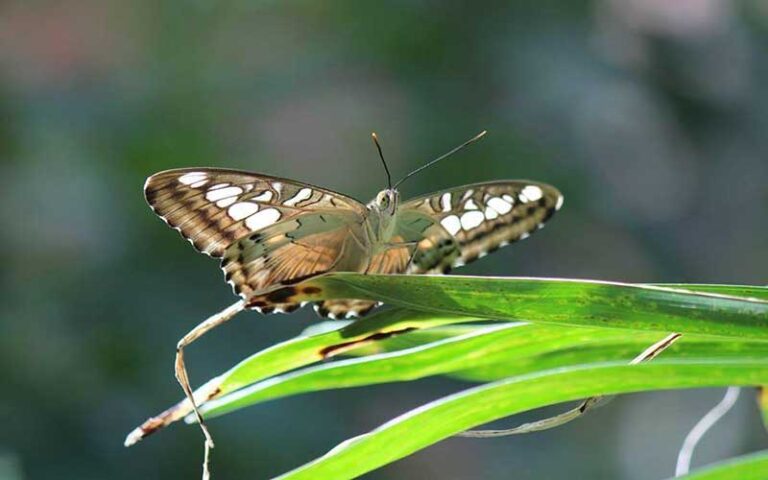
(386,201)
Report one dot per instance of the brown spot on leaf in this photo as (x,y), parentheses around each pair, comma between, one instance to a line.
(375,337)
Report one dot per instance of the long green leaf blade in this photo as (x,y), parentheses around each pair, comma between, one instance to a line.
(564,301)
(443,418)
(488,353)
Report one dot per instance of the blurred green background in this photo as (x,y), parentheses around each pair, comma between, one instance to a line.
(650,115)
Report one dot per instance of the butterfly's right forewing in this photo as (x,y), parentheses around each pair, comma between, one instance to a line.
(212,208)
(294,250)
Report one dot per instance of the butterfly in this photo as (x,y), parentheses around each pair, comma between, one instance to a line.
(271,232)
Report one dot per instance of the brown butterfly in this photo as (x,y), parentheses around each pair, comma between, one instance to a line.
(272,232)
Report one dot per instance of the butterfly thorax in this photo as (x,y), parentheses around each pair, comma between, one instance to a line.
(382,218)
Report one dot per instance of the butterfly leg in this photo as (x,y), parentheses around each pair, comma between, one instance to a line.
(181,369)
(588,404)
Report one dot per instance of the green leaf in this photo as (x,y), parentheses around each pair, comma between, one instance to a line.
(632,308)
(301,351)
(484,353)
(443,418)
(747,467)
(566,302)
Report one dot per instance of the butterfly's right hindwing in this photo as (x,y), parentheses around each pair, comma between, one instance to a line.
(291,251)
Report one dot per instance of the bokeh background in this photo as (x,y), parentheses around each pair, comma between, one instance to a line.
(650,115)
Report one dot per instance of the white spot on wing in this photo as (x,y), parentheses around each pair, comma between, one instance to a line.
(470,205)
(278,187)
(199,183)
(445,201)
(467,194)
(263,197)
(524,235)
(471,219)
(219,193)
(490,213)
(452,224)
(302,194)
(533,193)
(240,210)
(559,202)
(508,198)
(192,177)
(262,219)
(499,205)
(225,202)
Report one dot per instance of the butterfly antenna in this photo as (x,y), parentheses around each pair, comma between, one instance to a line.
(443,156)
(381,156)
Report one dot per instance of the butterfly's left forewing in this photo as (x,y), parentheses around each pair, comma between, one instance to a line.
(463,224)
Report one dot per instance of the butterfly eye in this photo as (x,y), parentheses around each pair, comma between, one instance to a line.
(383,200)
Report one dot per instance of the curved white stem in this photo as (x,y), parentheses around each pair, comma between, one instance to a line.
(701,428)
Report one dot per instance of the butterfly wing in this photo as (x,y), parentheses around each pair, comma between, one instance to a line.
(212,208)
(268,231)
(463,224)
(291,251)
